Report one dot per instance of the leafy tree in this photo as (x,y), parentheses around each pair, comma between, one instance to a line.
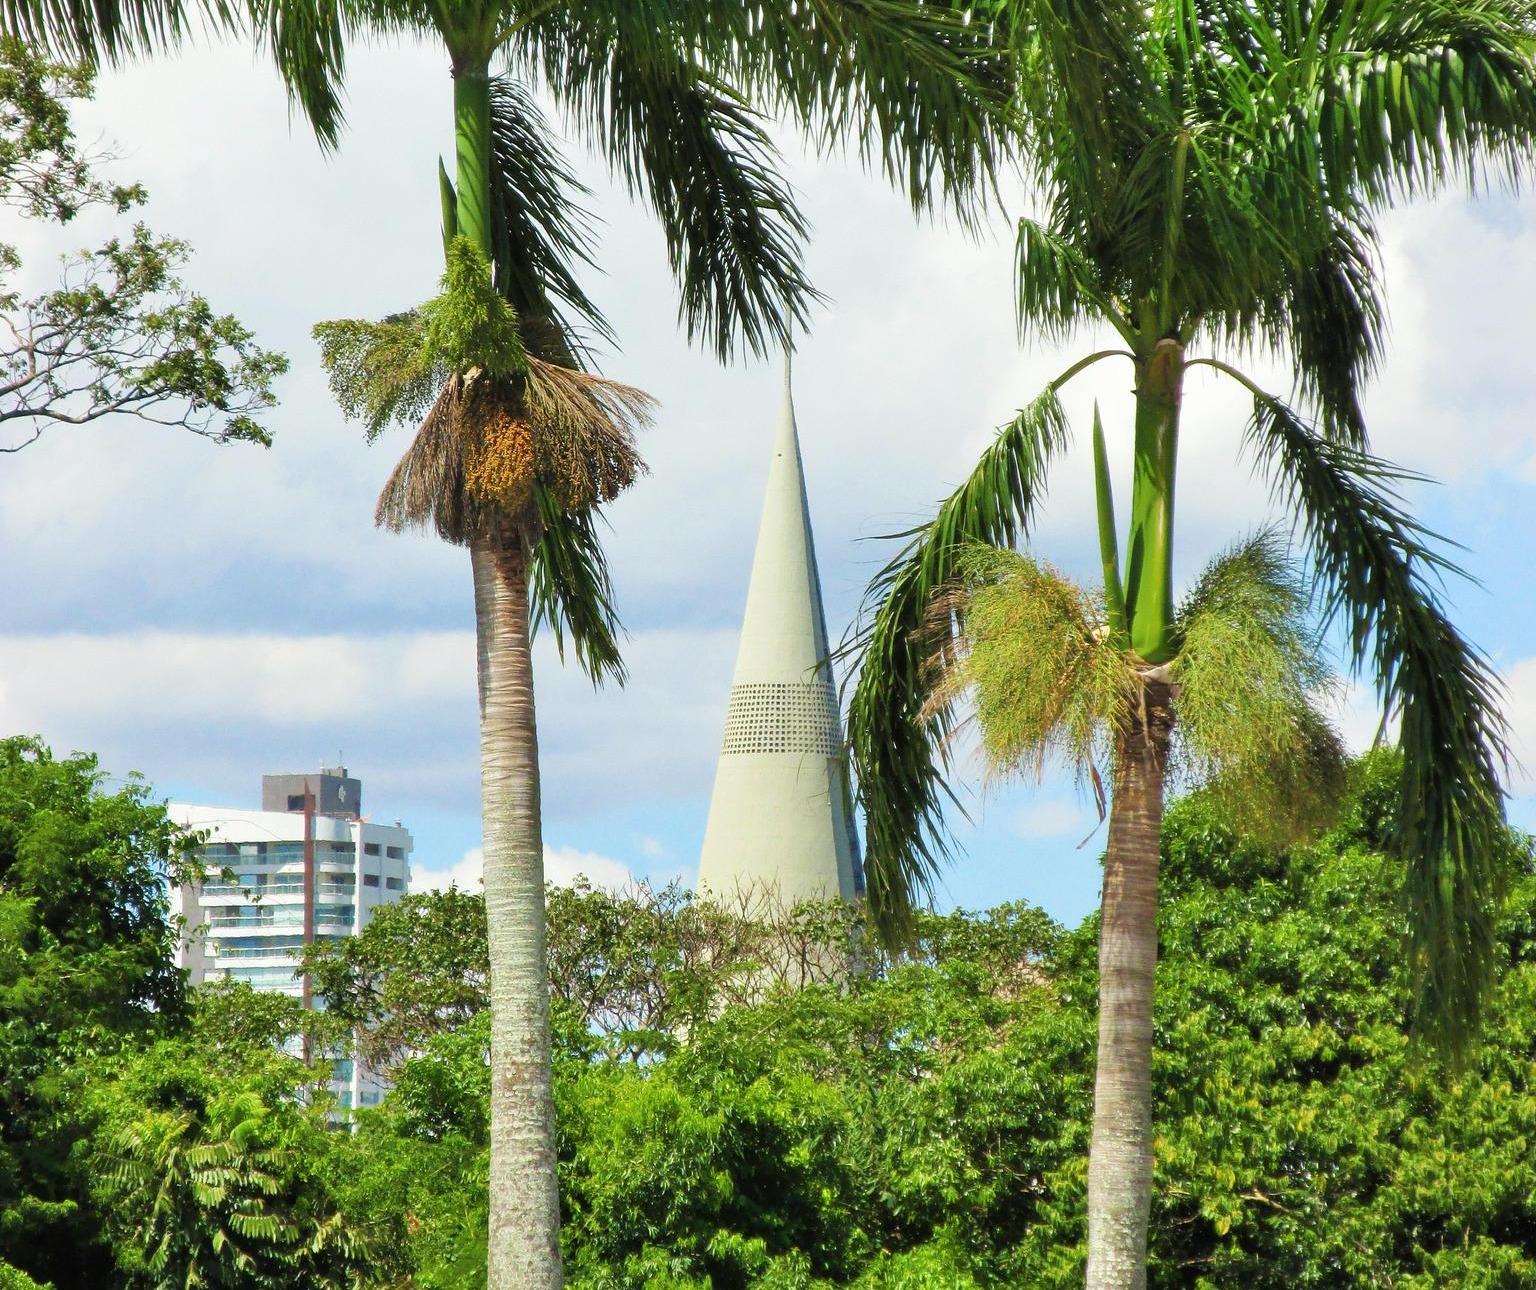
(415,1171)
(121,332)
(236,1018)
(13,1278)
(87,965)
(925,1126)
(629,972)
(420,968)
(1210,175)
(207,1168)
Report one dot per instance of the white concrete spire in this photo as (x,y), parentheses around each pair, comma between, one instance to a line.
(780,819)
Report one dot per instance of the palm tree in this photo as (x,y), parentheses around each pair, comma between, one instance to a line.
(669,122)
(517,448)
(1214,192)
(512,457)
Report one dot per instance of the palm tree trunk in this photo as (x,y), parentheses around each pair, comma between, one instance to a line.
(524,1196)
(524,1199)
(1120,1158)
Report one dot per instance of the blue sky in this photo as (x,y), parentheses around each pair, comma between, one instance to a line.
(207,614)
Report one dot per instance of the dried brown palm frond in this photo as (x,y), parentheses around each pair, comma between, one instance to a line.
(427,484)
(584,432)
(484,443)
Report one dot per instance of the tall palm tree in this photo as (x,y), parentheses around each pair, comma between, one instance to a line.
(513,455)
(1216,192)
(651,88)
(517,448)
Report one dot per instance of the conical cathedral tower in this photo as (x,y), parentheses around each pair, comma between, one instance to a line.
(781,820)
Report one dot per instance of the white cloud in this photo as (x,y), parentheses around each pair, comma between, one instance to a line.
(215,710)
(562,866)
(154,677)
(463,874)
(1460,275)
(1053,818)
(1520,711)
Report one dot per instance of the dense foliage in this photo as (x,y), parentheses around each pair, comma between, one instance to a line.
(86,970)
(911,1126)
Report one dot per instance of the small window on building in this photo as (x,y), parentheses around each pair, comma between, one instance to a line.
(370,880)
(370,848)
(395,884)
(295,801)
(395,853)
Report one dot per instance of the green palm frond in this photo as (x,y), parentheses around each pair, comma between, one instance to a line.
(1402,96)
(570,589)
(1215,181)
(916,87)
(1336,319)
(111,30)
(692,146)
(1034,653)
(541,231)
(1057,286)
(1251,683)
(898,740)
(1374,564)
(307,40)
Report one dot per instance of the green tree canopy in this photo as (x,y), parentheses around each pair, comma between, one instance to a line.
(87,965)
(207,1167)
(919,1126)
(924,1127)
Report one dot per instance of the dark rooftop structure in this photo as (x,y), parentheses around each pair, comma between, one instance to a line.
(336,792)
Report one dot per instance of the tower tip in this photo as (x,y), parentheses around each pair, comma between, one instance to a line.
(787,432)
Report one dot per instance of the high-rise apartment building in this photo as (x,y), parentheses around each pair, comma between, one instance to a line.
(307,866)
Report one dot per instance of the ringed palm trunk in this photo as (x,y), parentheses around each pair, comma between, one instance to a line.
(524,1198)
(1120,1157)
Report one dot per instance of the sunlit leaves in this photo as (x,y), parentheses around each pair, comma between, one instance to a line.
(380,372)
(1253,693)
